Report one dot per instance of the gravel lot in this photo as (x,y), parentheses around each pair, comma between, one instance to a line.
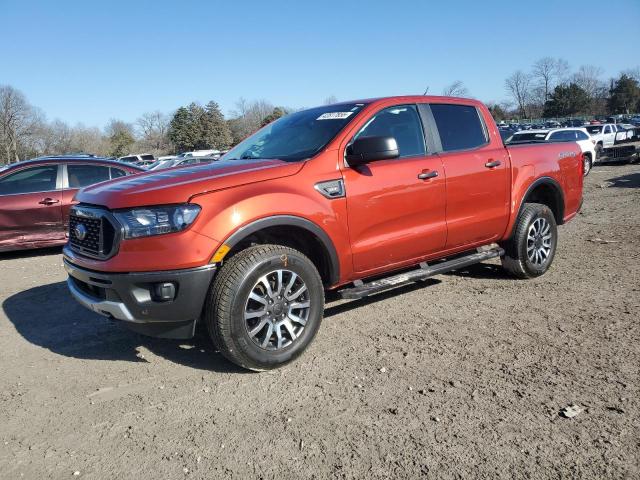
(463,376)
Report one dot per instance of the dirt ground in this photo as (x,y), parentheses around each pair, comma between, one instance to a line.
(461,377)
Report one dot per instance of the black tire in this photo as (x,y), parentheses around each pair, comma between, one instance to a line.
(228,300)
(517,260)
(599,150)
(588,164)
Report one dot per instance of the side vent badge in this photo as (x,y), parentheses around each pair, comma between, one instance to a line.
(331,188)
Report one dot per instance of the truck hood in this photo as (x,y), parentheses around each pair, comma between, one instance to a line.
(178,185)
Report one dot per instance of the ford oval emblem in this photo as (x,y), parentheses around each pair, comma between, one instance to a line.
(80,231)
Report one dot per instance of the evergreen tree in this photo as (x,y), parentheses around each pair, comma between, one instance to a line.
(625,95)
(215,130)
(273,116)
(566,100)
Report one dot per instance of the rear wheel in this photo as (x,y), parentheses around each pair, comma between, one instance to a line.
(530,251)
(599,150)
(265,306)
(587,164)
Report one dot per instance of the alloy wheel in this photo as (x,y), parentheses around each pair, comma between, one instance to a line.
(277,309)
(539,241)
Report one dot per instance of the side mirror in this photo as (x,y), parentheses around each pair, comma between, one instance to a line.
(370,149)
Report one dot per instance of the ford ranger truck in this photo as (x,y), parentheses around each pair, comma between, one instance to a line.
(357,197)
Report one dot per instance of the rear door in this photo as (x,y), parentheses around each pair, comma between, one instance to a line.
(477,171)
(393,215)
(31,206)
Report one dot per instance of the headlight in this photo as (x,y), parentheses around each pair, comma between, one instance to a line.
(147,221)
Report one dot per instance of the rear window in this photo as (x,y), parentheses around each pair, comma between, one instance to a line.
(147,157)
(582,135)
(459,126)
(84,175)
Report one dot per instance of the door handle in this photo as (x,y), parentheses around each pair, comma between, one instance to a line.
(493,163)
(48,201)
(428,175)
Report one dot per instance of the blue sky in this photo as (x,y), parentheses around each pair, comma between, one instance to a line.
(85,61)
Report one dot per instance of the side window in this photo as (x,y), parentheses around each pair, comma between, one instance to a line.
(459,126)
(581,135)
(567,136)
(84,175)
(403,124)
(117,173)
(30,180)
(607,129)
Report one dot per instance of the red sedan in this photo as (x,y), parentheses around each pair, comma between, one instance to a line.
(36,195)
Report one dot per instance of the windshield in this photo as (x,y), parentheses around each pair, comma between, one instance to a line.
(296,136)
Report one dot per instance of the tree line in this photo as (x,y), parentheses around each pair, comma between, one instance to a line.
(26,133)
(549,89)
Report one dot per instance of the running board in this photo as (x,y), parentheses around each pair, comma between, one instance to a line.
(361,290)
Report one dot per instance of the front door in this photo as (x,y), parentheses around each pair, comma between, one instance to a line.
(393,215)
(31,206)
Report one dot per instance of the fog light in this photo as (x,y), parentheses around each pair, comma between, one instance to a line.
(164,292)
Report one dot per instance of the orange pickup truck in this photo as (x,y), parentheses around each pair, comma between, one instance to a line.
(357,197)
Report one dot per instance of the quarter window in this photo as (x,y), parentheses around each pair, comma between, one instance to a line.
(84,175)
(30,180)
(459,126)
(400,122)
(117,173)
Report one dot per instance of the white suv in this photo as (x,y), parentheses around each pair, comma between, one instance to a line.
(578,135)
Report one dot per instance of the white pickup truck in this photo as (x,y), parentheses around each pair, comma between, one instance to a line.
(603,135)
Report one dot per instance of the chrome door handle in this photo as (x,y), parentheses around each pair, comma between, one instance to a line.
(493,163)
(48,201)
(428,175)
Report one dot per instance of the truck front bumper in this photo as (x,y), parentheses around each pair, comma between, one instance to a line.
(163,304)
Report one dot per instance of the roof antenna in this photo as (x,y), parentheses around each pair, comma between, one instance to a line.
(426,91)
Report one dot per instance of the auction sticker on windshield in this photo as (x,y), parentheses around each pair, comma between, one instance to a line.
(334,116)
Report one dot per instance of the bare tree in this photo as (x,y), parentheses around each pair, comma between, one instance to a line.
(548,72)
(518,86)
(153,128)
(588,77)
(248,117)
(456,89)
(18,122)
(331,99)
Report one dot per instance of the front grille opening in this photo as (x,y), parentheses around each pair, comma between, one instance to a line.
(92,234)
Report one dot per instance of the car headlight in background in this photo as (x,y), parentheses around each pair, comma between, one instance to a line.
(148,221)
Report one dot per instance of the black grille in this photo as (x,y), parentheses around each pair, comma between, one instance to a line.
(91,233)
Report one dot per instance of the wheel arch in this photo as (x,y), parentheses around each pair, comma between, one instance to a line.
(547,191)
(308,237)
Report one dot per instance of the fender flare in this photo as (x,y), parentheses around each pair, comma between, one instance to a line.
(292,221)
(552,182)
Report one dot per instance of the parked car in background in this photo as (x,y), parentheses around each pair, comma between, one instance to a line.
(603,135)
(142,159)
(577,135)
(198,153)
(623,134)
(36,195)
(633,131)
(183,162)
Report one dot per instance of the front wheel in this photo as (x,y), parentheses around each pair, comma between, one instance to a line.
(265,306)
(530,251)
